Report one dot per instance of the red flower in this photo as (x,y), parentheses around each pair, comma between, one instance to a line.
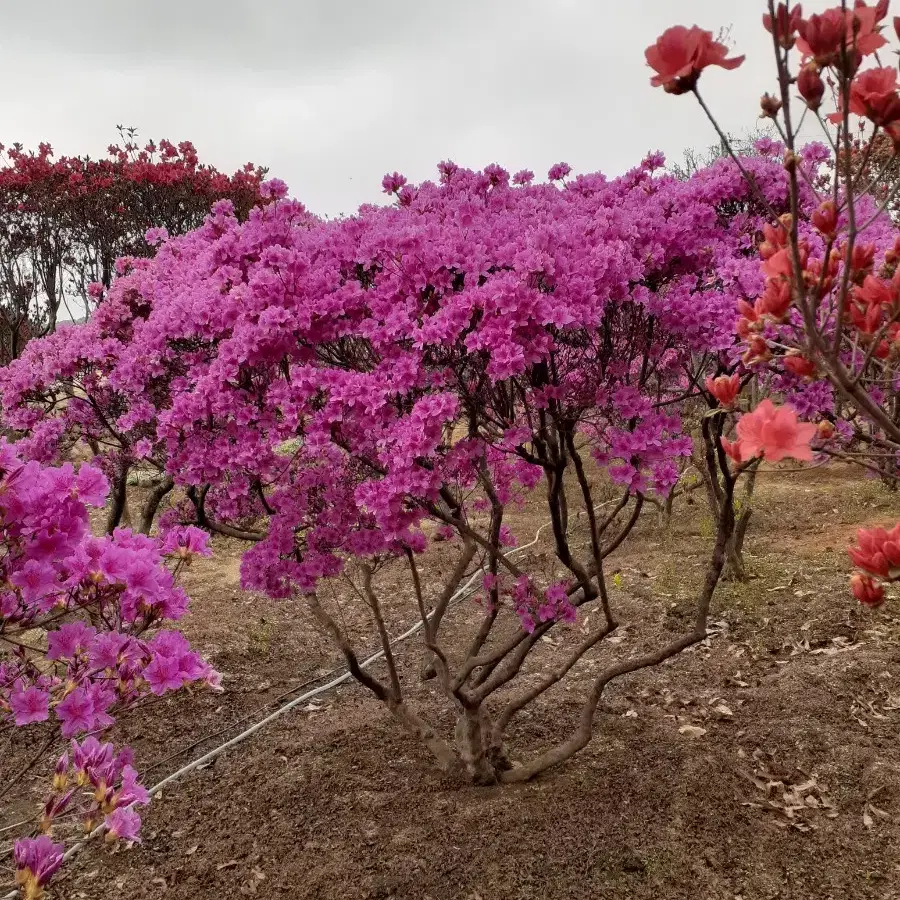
(863,257)
(747,311)
(757,351)
(775,237)
(878,552)
(744,327)
(785,24)
(800,366)
(781,264)
(811,86)
(825,218)
(815,275)
(867,319)
(778,265)
(775,433)
(776,300)
(724,388)
(874,292)
(873,94)
(735,450)
(821,35)
(680,54)
(868,591)
(865,21)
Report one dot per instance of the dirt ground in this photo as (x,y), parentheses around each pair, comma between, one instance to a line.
(762,764)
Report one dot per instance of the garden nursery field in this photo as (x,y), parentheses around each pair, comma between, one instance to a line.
(513,537)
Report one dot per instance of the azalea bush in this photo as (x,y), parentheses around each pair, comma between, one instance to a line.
(346,394)
(829,312)
(83,638)
(79,386)
(71,389)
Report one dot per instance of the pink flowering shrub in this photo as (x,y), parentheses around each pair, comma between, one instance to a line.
(81,642)
(344,393)
(68,388)
(93,384)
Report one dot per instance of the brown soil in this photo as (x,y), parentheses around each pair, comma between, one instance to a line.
(762,764)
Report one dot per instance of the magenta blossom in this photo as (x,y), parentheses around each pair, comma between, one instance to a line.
(123,824)
(29,704)
(37,860)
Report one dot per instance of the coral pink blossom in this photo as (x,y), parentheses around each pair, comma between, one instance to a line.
(725,388)
(775,433)
(735,450)
(874,94)
(878,551)
(800,366)
(784,25)
(868,591)
(681,54)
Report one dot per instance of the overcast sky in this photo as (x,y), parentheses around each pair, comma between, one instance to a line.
(331,94)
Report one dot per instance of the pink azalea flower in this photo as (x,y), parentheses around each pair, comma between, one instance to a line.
(123,824)
(37,860)
(132,791)
(92,485)
(186,541)
(775,433)
(76,712)
(29,704)
(67,640)
(35,579)
(164,674)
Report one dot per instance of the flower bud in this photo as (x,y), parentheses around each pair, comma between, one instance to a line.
(826,430)
(799,365)
(724,388)
(825,219)
(769,106)
(811,86)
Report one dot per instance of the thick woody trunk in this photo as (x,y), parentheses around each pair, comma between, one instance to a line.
(118,513)
(735,569)
(151,504)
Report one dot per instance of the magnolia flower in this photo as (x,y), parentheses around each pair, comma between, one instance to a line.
(868,591)
(725,388)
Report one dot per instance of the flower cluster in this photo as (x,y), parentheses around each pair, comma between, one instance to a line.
(773,433)
(533,606)
(877,556)
(826,321)
(363,338)
(37,860)
(97,602)
(92,785)
(825,316)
